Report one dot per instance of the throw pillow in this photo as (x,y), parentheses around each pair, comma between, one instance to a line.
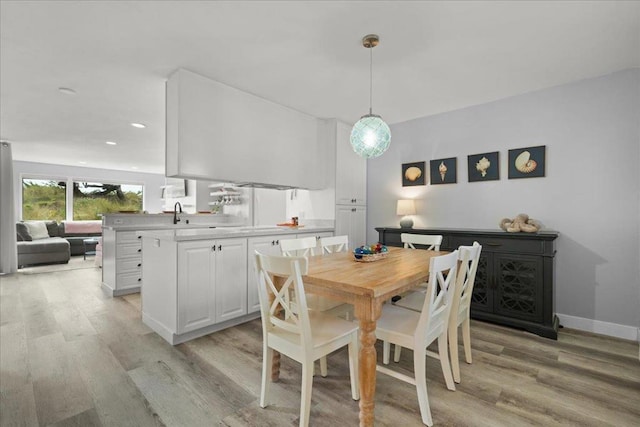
(37,229)
(53,229)
(22,232)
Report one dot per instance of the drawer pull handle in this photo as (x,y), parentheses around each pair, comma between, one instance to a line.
(139,279)
(493,244)
(140,265)
(219,247)
(139,237)
(139,250)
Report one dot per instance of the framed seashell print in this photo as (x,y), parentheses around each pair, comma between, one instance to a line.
(484,167)
(443,171)
(527,162)
(413,174)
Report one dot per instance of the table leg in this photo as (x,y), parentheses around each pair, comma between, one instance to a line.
(368,314)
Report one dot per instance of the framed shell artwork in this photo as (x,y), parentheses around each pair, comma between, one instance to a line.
(527,162)
(413,174)
(443,171)
(484,167)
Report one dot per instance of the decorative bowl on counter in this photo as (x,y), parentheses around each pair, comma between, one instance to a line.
(370,253)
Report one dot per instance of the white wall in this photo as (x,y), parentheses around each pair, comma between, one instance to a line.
(590,194)
(152,201)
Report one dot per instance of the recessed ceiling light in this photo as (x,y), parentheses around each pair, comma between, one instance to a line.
(138,125)
(111,143)
(67,91)
(83,163)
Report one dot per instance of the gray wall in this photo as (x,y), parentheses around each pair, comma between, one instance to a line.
(590,193)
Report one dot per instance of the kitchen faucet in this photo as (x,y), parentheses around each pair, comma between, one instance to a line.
(176,218)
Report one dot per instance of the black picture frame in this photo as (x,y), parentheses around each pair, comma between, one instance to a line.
(443,171)
(528,162)
(484,166)
(413,174)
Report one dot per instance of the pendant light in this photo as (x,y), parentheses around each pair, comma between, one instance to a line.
(370,136)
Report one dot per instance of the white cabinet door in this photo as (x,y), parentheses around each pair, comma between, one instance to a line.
(231,279)
(267,245)
(352,221)
(351,170)
(196,285)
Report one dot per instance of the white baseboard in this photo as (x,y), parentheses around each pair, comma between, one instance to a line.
(599,327)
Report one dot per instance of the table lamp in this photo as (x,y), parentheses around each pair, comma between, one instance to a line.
(405,208)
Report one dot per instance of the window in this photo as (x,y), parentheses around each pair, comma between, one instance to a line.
(43,199)
(91,199)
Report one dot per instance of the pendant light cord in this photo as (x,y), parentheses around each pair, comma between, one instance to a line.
(371,80)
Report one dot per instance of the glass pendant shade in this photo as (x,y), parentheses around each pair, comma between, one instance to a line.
(370,136)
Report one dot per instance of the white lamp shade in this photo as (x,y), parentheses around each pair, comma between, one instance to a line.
(406,207)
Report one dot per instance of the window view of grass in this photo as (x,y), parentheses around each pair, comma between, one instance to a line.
(43,199)
(90,199)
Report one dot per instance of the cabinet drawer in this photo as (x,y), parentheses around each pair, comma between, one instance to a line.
(126,237)
(129,280)
(129,265)
(499,244)
(128,250)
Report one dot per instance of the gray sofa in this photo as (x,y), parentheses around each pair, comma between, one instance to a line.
(55,248)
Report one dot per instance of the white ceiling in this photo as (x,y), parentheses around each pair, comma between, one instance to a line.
(433,57)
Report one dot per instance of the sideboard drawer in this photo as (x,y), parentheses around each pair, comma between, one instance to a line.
(127,237)
(501,244)
(128,250)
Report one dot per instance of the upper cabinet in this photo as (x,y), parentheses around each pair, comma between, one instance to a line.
(219,133)
(351,169)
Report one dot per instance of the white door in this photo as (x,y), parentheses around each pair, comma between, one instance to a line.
(196,285)
(352,221)
(351,170)
(231,278)
(266,245)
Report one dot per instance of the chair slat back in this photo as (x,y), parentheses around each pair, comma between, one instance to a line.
(334,244)
(282,313)
(434,317)
(469,257)
(298,247)
(432,242)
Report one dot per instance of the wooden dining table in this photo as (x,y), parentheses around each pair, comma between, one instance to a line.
(366,285)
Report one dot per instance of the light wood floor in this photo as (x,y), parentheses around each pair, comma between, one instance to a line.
(71,356)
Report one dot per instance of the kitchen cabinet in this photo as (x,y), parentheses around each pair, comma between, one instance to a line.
(213,282)
(515,278)
(352,221)
(351,169)
(121,262)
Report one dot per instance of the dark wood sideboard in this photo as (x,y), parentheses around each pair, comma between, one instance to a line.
(515,279)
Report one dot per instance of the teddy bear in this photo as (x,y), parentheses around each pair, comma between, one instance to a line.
(522,222)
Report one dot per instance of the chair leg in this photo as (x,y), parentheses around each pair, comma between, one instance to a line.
(444,361)
(386,351)
(323,366)
(396,353)
(305,398)
(466,339)
(354,369)
(453,350)
(420,371)
(266,375)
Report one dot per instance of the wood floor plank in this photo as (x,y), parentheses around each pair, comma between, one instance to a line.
(87,418)
(117,400)
(57,386)
(10,309)
(71,321)
(18,406)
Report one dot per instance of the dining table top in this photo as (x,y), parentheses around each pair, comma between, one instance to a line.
(399,270)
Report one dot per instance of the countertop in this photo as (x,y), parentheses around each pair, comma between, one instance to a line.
(187,234)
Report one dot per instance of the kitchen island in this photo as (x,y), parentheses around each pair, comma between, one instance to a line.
(201,280)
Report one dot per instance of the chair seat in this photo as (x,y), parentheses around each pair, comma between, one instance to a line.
(398,325)
(413,301)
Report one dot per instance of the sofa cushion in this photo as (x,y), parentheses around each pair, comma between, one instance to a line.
(52,244)
(37,229)
(81,228)
(22,232)
(53,229)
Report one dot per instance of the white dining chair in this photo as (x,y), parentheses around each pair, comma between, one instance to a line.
(298,247)
(334,244)
(432,242)
(417,330)
(302,335)
(468,257)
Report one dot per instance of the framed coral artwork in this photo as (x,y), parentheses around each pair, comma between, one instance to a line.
(484,167)
(443,171)
(413,174)
(527,162)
